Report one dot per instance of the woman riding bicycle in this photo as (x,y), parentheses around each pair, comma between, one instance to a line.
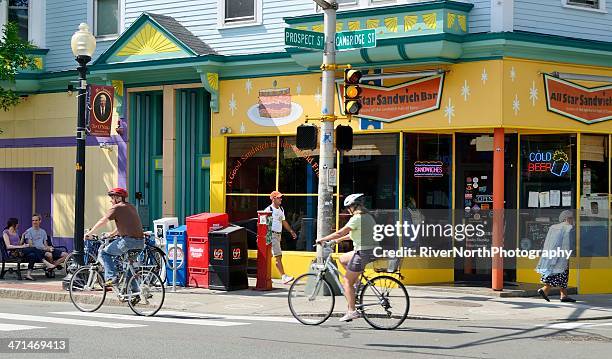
(359,229)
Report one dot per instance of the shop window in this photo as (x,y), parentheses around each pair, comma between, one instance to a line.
(372,168)
(242,211)
(251,165)
(18,13)
(594,200)
(547,185)
(298,169)
(427,184)
(106,17)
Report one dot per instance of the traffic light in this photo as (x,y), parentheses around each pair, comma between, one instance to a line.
(344,138)
(306,137)
(352,92)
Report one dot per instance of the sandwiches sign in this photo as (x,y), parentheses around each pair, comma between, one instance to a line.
(584,104)
(389,104)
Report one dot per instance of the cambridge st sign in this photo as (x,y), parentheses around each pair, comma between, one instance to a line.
(345,40)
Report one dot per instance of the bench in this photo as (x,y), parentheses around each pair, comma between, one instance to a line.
(8,256)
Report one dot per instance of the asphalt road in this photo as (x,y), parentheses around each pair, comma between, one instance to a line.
(114,332)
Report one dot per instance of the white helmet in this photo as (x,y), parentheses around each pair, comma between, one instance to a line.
(352,198)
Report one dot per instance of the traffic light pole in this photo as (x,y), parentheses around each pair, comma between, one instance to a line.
(325,205)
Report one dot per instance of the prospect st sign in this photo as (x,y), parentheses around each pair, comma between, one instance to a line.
(345,40)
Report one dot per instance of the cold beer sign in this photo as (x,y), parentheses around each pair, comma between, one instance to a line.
(100,103)
(584,104)
(389,104)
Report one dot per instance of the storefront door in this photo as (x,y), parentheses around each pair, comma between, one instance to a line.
(474,202)
(145,183)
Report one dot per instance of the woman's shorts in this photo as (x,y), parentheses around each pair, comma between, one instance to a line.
(360,259)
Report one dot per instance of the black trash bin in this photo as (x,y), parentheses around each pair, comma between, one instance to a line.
(228,255)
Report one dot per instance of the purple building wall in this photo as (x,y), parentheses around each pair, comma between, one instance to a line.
(16,198)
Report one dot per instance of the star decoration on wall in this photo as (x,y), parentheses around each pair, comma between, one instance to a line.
(513,74)
(242,128)
(249,86)
(516,105)
(449,110)
(298,89)
(533,93)
(465,90)
(233,106)
(318,98)
(484,77)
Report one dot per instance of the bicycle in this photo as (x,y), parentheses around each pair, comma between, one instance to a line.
(151,255)
(138,285)
(380,299)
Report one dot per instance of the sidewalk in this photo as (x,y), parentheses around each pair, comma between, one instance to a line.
(431,302)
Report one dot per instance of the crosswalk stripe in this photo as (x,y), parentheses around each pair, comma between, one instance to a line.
(157,319)
(5,327)
(231,317)
(70,321)
(576,325)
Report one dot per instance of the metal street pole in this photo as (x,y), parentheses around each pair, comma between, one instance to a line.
(325,205)
(81,135)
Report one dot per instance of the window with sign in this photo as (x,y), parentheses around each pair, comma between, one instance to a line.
(547,185)
(594,196)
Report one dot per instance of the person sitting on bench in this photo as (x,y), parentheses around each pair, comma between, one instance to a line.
(31,254)
(37,237)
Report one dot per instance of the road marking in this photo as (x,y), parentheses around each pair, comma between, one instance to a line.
(192,321)
(231,317)
(576,325)
(69,321)
(12,327)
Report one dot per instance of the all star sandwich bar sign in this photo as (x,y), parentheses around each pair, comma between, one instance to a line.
(389,104)
(584,104)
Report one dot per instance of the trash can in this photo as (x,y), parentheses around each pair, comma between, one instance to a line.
(198,228)
(180,234)
(227,268)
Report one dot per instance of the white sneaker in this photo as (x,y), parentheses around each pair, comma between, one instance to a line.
(350,316)
(286,278)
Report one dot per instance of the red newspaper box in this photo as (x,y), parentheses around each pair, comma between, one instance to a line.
(198,227)
(264,253)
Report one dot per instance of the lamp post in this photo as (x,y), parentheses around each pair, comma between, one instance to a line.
(83,45)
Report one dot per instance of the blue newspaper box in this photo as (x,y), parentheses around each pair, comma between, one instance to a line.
(180,234)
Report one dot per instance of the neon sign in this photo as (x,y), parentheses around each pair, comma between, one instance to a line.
(556,162)
(428,169)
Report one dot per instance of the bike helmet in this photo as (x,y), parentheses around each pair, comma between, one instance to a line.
(351,199)
(121,192)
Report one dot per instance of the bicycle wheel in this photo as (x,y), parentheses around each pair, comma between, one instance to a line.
(156,259)
(71,265)
(384,302)
(145,293)
(311,299)
(87,291)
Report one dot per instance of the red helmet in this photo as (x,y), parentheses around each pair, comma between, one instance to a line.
(121,192)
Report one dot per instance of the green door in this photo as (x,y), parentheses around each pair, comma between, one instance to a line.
(192,152)
(146,138)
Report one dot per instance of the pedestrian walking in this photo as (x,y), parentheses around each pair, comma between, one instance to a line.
(555,270)
(278,222)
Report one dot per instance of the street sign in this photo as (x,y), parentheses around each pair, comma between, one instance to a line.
(348,40)
(345,40)
(302,38)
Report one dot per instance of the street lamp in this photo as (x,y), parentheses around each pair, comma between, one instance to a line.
(83,45)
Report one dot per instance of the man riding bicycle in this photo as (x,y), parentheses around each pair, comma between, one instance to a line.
(359,229)
(129,231)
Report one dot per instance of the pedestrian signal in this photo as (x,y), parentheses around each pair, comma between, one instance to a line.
(344,138)
(306,137)
(352,92)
